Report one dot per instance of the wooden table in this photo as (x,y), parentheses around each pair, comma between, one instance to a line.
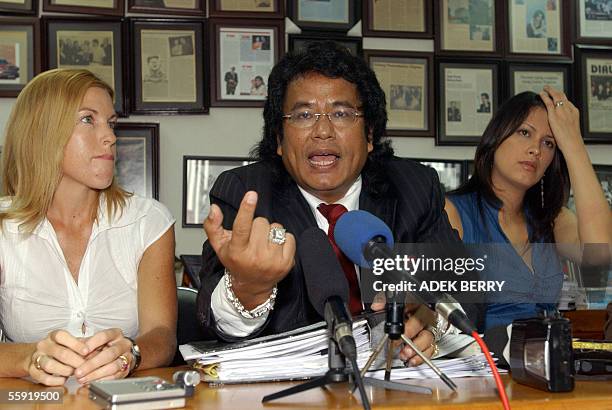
(473,394)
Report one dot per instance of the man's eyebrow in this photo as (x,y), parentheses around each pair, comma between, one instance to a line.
(343,103)
(301,104)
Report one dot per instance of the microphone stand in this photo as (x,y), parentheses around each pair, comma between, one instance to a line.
(394,330)
(337,373)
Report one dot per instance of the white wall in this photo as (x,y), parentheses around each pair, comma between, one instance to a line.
(233,131)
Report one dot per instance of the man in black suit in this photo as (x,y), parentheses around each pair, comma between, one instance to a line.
(323,142)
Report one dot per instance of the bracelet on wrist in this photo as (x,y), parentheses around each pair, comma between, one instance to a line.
(258,311)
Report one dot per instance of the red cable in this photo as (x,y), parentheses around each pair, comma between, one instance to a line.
(498,382)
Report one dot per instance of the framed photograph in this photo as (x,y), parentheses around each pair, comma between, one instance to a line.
(93,44)
(19,6)
(604,174)
(300,41)
(199,175)
(594,92)
(247,8)
(324,15)
(593,22)
(407,79)
(104,7)
(244,53)
(450,172)
(469,27)
(539,29)
(169,67)
(137,162)
(468,96)
(533,77)
(19,53)
(397,18)
(180,7)
(469,169)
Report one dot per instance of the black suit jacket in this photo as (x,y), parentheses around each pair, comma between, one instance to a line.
(412,206)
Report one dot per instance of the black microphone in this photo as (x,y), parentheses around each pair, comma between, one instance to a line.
(327,287)
(364,237)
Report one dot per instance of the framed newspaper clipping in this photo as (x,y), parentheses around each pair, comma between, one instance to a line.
(137,162)
(243,53)
(323,15)
(19,6)
(199,175)
(169,68)
(533,77)
(104,7)
(452,173)
(469,27)
(407,79)
(593,22)
(94,44)
(397,18)
(594,92)
(19,53)
(468,95)
(539,29)
(300,41)
(168,7)
(247,8)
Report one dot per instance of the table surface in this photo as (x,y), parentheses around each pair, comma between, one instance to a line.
(473,393)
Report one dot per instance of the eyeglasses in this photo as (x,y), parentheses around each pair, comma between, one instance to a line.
(340,118)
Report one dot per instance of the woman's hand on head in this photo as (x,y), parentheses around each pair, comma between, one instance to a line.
(56,357)
(563,118)
(111,357)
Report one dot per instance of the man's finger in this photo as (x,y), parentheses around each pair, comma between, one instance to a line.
(213,226)
(241,230)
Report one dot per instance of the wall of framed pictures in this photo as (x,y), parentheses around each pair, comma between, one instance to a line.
(423,52)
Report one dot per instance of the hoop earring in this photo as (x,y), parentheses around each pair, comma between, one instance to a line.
(542,191)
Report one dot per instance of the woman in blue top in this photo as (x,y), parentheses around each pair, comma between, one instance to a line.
(528,155)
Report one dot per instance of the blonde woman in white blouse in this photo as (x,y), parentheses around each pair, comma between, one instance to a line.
(86,269)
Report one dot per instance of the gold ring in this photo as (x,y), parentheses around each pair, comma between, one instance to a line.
(558,104)
(37,362)
(436,349)
(124,363)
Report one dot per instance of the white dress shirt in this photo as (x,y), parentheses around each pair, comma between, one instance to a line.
(233,323)
(38,293)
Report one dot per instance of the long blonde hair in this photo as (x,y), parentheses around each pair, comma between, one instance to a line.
(39,127)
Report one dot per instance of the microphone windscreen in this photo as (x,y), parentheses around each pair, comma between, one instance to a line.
(355,229)
(322,271)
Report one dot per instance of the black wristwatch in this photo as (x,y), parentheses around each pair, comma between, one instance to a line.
(135,353)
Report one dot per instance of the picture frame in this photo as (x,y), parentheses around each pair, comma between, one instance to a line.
(532,77)
(397,18)
(593,91)
(593,25)
(539,29)
(468,96)
(199,175)
(604,175)
(247,8)
(170,66)
(101,7)
(19,53)
(353,44)
(477,30)
(334,15)
(109,65)
(239,79)
(137,163)
(19,6)
(452,173)
(168,7)
(408,81)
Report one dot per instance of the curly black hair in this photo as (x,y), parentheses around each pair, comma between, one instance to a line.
(504,123)
(334,61)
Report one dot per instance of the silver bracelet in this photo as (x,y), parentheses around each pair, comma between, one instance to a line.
(440,328)
(259,311)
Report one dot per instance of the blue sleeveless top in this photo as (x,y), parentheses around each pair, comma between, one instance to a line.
(525,293)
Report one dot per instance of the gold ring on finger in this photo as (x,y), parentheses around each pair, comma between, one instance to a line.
(436,349)
(559,104)
(124,363)
(37,362)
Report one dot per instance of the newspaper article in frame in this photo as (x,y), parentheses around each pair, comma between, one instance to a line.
(535,26)
(245,60)
(595,18)
(599,78)
(168,66)
(468,24)
(398,15)
(468,100)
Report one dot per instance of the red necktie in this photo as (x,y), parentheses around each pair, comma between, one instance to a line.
(332,213)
